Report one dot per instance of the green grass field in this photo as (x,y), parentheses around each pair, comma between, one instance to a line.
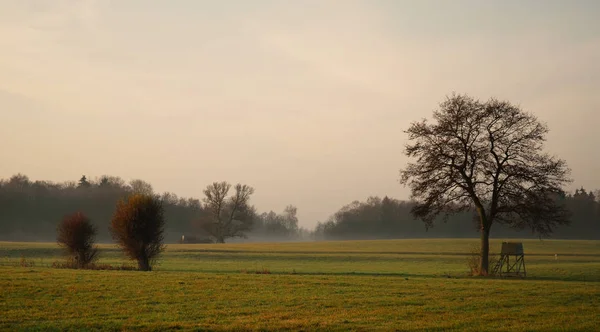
(346,285)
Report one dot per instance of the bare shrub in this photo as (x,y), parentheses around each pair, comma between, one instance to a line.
(26,263)
(76,234)
(138,226)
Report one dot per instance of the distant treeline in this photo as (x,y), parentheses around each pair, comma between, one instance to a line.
(388,218)
(31,210)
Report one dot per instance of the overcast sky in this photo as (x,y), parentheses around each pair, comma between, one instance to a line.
(304,100)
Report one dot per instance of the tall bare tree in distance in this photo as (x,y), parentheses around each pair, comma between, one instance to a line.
(486,157)
(227,217)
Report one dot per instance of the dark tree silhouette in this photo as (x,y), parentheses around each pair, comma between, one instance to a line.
(486,157)
(77,234)
(138,227)
(227,217)
(83,182)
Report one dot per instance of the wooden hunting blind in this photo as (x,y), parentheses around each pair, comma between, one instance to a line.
(512,260)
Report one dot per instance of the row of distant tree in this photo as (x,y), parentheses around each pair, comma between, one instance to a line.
(31,210)
(378,218)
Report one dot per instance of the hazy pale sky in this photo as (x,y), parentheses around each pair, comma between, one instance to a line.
(304,100)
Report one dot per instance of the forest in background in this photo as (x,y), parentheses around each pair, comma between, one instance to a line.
(31,211)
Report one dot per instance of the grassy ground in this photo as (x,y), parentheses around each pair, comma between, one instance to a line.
(353,285)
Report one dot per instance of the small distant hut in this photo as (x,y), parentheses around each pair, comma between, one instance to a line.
(190,239)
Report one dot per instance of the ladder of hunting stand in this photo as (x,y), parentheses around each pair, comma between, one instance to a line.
(497,267)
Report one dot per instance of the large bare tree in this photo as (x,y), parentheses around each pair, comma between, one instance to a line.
(485,157)
(227,217)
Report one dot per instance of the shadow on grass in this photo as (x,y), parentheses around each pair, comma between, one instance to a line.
(404,275)
(342,252)
(399,275)
(447,276)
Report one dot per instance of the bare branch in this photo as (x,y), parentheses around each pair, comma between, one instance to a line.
(485,157)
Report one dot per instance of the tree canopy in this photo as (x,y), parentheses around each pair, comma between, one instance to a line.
(485,157)
(138,227)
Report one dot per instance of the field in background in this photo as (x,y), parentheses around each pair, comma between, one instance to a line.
(364,285)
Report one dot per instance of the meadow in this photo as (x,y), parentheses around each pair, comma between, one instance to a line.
(405,285)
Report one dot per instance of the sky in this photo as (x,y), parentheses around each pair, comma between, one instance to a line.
(306,101)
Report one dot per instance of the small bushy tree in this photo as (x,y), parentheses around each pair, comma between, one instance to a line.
(138,227)
(77,234)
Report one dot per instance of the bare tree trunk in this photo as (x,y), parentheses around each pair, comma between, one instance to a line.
(220,239)
(485,251)
(80,259)
(144,263)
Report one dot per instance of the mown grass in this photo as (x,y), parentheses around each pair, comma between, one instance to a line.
(347,285)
